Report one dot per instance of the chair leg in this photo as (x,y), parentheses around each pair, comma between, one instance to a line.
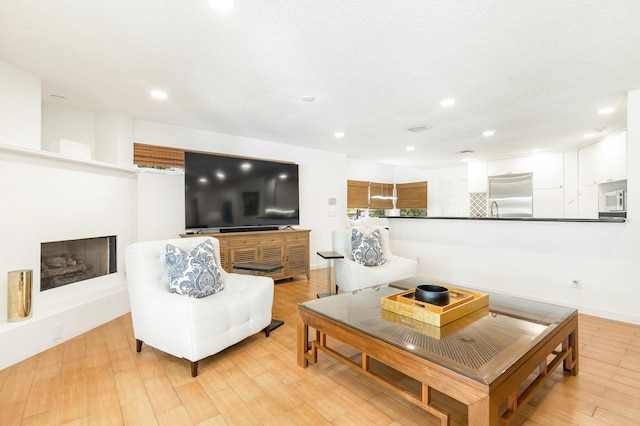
(138,345)
(194,368)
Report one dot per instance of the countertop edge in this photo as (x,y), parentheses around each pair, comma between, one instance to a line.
(514,219)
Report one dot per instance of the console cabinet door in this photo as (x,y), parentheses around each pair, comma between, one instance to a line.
(243,255)
(297,254)
(273,254)
(297,259)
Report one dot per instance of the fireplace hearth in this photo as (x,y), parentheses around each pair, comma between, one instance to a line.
(70,261)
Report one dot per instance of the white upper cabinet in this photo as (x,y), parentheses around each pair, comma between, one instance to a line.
(510,166)
(548,170)
(605,161)
(612,158)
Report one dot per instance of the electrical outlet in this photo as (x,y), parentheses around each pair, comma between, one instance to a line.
(576,284)
(57,332)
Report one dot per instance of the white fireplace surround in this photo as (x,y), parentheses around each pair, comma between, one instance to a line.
(62,198)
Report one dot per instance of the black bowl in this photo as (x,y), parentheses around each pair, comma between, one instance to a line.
(433,294)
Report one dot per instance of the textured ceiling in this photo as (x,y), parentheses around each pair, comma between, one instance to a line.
(535,72)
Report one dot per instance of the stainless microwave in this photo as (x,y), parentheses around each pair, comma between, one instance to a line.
(615,201)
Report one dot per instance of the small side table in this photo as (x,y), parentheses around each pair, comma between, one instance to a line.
(329,256)
(261,268)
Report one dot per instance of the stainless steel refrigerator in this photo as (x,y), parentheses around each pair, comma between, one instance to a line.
(511,195)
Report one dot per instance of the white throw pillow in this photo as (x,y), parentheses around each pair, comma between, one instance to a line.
(193,274)
(367,250)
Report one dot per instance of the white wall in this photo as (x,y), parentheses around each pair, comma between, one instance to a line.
(539,260)
(19,107)
(322,175)
(63,122)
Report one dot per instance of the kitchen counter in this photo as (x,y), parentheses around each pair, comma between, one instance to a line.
(514,219)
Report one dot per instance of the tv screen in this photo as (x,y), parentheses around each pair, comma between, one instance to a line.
(231,192)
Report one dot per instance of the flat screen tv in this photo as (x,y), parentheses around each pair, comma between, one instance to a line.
(232,193)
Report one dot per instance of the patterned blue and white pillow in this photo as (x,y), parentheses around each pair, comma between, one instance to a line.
(194,274)
(367,250)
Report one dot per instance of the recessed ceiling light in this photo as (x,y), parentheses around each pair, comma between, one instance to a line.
(411,148)
(446,103)
(222,4)
(339,134)
(465,151)
(488,133)
(607,110)
(308,98)
(158,94)
(245,166)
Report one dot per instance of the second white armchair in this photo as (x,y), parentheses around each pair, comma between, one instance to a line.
(352,275)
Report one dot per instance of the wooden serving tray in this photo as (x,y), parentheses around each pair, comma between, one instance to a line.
(430,330)
(462,303)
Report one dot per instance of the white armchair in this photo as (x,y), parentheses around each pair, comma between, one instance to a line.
(351,275)
(187,327)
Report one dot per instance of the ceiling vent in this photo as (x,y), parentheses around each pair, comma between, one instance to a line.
(465,151)
(418,128)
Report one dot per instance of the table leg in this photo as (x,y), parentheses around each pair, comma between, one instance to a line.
(571,362)
(482,413)
(303,343)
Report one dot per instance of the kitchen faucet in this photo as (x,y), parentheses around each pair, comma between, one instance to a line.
(494,203)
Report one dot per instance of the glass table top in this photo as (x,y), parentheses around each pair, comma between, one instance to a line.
(480,345)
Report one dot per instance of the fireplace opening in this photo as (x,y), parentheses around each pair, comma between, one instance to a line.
(70,261)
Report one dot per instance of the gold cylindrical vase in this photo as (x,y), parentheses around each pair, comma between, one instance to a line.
(19,295)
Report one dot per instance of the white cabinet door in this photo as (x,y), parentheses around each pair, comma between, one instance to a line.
(612,158)
(548,170)
(588,202)
(588,165)
(510,166)
(477,176)
(571,184)
(548,203)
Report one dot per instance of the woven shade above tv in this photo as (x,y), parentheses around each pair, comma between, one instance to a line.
(158,156)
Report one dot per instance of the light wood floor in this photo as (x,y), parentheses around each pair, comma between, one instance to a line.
(99,379)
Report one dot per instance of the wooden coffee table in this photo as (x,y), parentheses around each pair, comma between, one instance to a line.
(480,360)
